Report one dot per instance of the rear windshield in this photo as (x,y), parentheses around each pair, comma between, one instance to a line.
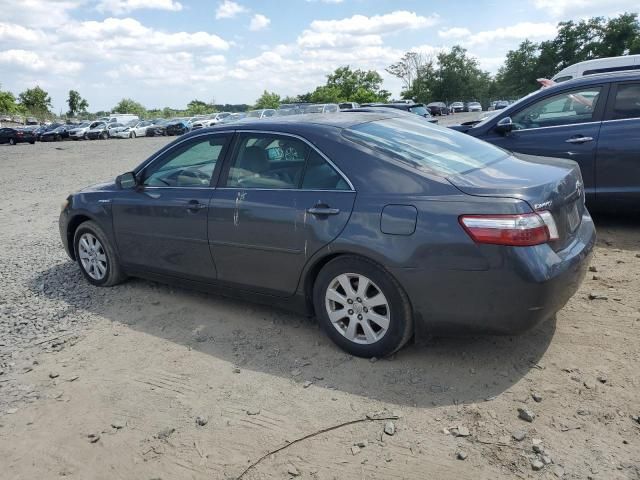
(425,146)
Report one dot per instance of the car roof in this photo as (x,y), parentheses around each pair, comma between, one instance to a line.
(599,77)
(336,120)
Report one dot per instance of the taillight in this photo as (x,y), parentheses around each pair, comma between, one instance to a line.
(520,230)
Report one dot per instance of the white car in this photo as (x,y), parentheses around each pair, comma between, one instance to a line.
(122,131)
(80,132)
(138,129)
(210,120)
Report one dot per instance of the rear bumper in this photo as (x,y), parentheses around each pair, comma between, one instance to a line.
(523,287)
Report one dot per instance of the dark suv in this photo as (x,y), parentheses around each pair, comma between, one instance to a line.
(593,120)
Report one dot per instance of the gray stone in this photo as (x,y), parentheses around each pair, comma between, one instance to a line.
(519,435)
(165,433)
(293,471)
(597,296)
(93,437)
(253,411)
(54,375)
(461,455)
(355,450)
(536,397)
(593,268)
(389,428)
(118,424)
(307,384)
(546,459)
(201,420)
(236,370)
(536,464)
(362,443)
(526,414)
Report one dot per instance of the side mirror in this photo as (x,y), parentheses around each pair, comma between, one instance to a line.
(126,180)
(504,125)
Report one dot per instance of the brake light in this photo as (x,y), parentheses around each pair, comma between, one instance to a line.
(520,230)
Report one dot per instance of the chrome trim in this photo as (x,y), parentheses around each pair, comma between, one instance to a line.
(248,189)
(293,135)
(556,126)
(637,119)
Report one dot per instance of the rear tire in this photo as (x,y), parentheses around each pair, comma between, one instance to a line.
(105,271)
(379,309)
(32,142)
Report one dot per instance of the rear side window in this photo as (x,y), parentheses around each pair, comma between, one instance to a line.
(424,146)
(319,175)
(627,102)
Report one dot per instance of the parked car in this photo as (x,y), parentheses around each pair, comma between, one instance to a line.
(415,108)
(32,121)
(456,107)
(178,126)
(599,65)
(210,120)
(500,104)
(234,117)
(79,132)
(472,107)
(592,120)
(369,263)
(12,136)
(348,105)
(261,113)
(122,131)
(438,108)
(321,108)
(158,128)
(55,135)
(99,131)
(122,118)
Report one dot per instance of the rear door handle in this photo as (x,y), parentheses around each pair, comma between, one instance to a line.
(195,205)
(579,139)
(321,211)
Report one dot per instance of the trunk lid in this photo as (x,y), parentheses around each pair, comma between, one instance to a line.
(551,184)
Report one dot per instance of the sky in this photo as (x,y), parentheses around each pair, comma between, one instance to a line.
(168,52)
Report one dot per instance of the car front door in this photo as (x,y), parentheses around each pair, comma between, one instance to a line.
(565,125)
(278,202)
(618,157)
(161,224)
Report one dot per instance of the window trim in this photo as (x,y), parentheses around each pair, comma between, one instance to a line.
(598,113)
(608,114)
(229,158)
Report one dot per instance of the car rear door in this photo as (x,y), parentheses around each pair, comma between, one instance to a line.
(565,125)
(278,202)
(618,154)
(161,225)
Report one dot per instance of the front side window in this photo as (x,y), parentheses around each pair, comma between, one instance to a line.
(627,102)
(577,106)
(424,146)
(188,165)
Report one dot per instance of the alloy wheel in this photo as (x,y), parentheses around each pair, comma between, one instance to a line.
(357,308)
(92,256)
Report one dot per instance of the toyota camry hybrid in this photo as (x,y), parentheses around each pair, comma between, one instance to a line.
(382,226)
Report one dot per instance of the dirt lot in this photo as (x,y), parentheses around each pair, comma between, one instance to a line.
(109,383)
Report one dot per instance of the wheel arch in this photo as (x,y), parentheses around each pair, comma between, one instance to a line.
(72,226)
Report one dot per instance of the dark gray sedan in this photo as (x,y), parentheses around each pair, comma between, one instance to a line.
(382,225)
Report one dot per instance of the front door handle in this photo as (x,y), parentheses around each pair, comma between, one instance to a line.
(195,205)
(322,211)
(580,139)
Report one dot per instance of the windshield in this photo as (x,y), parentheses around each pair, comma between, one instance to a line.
(420,110)
(425,146)
(254,113)
(83,125)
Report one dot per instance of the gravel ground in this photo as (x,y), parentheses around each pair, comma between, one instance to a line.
(148,381)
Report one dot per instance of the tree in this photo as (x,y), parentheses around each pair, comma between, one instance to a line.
(346,85)
(268,100)
(7,102)
(198,107)
(126,105)
(409,67)
(76,103)
(35,100)
(521,68)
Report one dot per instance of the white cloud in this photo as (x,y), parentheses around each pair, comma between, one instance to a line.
(326,1)
(363,25)
(560,8)
(119,7)
(229,9)
(310,39)
(519,31)
(130,33)
(18,33)
(34,62)
(455,32)
(39,13)
(259,22)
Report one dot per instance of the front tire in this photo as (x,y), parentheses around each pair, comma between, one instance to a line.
(85,137)
(133,135)
(362,308)
(104,135)
(96,257)
(12,141)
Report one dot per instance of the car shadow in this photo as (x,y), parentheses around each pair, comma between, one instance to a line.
(618,231)
(446,371)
